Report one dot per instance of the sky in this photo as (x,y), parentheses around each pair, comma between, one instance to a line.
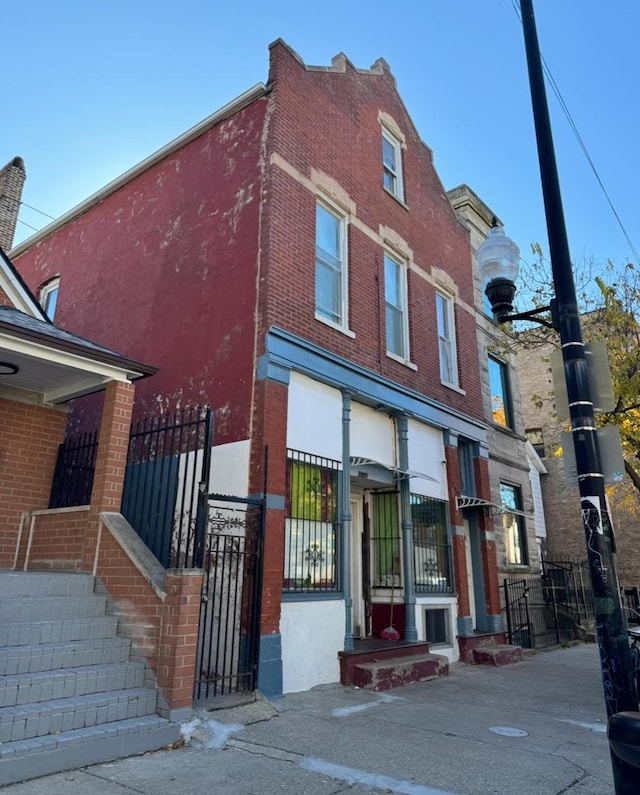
(92,88)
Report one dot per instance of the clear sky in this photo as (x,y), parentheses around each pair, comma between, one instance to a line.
(91,87)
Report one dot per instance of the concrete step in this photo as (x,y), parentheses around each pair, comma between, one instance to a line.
(396,672)
(498,654)
(33,688)
(44,608)
(25,721)
(68,750)
(61,630)
(45,583)
(53,656)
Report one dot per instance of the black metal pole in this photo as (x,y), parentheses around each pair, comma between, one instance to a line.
(617,675)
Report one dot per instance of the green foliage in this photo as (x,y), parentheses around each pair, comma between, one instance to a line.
(609,304)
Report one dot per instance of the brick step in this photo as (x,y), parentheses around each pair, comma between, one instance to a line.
(54,656)
(27,721)
(33,688)
(45,583)
(68,750)
(498,654)
(44,608)
(18,633)
(396,672)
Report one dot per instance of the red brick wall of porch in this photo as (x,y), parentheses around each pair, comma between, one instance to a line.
(158,609)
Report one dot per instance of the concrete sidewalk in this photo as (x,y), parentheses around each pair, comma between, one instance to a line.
(535,728)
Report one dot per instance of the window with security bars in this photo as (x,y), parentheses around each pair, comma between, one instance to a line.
(431,545)
(385,541)
(311,524)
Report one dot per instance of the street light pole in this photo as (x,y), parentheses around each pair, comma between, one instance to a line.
(617,674)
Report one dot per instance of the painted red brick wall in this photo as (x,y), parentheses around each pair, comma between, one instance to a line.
(164,271)
(328,121)
(28,448)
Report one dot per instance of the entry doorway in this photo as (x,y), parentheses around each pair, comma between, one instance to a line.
(475,576)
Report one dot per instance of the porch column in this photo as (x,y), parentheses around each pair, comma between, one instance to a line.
(410,632)
(345,520)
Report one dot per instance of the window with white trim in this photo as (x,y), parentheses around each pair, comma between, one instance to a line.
(445,322)
(331,265)
(395,306)
(49,297)
(515,536)
(392,164)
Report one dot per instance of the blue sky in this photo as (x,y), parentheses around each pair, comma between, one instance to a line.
(91,88)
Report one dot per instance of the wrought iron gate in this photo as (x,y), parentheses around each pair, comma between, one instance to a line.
(229,630)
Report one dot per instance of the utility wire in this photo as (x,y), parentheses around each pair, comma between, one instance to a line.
(574,128)
(35,209)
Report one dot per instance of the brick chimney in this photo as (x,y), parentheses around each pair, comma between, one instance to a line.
(12,178)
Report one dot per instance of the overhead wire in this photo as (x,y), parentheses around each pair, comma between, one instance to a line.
(583,146)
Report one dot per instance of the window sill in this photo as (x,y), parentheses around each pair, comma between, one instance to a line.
(397,198)
(335,326)
(453,387)
(400,360)
(311,596)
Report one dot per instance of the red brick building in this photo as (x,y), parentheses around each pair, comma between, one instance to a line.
(294,261)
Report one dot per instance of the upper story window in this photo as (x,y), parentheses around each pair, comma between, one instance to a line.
(395,303)
(515,537)
(445,321)
(465,464)
(49,297)
(331,265)
(392,164)
(501,408)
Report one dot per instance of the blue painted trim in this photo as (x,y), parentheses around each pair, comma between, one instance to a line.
(465,626)
(268,369)
(331,596)
(270,665)
(286,351)
(274,502)
(495,623)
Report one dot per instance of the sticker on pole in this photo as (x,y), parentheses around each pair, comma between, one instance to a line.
(592,515)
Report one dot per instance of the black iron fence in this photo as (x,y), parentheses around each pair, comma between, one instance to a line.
(73,475)
(545,611)
(229,632)
(165,485)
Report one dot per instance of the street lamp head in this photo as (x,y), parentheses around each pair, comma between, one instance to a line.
(498,259)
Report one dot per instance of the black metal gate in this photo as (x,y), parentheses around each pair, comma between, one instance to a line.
(229,631)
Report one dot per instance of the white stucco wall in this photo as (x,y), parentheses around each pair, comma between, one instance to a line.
(312,634)
(451,652)
(314,418)
(373,435)
(230,468)
(426,455)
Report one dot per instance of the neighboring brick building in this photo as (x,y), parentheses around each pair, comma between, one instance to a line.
(514,470)
(294,261)
(565,537)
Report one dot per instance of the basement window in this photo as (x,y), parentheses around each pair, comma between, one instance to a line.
(436,626)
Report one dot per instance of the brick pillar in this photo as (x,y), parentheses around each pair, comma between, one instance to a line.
(269,455)
(488,545)
(178,643)
(111,460)
(460,572)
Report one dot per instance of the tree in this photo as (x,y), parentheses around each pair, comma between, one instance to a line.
(609,303)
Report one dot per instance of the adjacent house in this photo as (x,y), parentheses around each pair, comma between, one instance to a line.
(294,262)
(514,465)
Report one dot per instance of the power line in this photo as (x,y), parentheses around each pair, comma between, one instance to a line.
(35,209)
(574,129)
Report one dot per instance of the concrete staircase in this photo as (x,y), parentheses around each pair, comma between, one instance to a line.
(394,665)
(69,694)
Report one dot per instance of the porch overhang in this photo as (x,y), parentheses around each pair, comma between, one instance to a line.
(361,464)
(477,502)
